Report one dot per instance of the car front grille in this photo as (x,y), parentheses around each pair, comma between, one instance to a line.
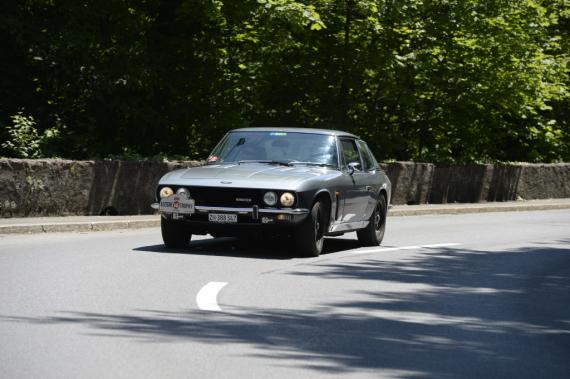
(227,197)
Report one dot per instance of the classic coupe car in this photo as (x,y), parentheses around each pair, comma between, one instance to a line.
(305,183)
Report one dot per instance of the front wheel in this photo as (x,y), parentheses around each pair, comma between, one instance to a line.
(373,234)
(174,233)
(310,235)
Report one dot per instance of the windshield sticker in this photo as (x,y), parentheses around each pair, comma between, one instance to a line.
(279,134)
(213,158)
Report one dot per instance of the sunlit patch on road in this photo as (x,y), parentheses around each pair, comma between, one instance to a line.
(413,247)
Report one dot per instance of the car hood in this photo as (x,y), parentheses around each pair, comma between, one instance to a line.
(249,175)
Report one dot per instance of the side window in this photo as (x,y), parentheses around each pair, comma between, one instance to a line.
(349,152)
(367,157)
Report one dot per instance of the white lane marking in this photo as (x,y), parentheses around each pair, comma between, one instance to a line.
(207,296)
(414,247)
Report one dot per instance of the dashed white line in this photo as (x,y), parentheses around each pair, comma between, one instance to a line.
(414,247)
(206,299)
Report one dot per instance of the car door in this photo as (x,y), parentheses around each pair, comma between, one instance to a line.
(354,193)
(370,177)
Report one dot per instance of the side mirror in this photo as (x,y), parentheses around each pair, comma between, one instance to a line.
(353,166)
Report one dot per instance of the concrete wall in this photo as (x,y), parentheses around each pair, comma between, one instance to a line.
(62,187)
(48,187)
(411,182)
(473,183)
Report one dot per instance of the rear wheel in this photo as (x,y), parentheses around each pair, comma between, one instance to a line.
(373,234)
(174,233)
(310,235)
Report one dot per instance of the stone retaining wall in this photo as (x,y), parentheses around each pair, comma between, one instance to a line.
(473,183)
(50,187)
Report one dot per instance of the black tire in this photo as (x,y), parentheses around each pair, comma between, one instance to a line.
(175,234)
(310,235)
(373,234)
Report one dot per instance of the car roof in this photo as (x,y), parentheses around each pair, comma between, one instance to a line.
(297,130)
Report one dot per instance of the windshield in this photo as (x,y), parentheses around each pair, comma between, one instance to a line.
(289,148)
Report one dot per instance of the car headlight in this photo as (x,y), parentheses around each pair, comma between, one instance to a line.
(165,192)
(183,191)
(287,199)
(270,198)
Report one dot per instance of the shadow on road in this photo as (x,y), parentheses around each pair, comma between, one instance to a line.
(231,247)
(224,247)
(470,314)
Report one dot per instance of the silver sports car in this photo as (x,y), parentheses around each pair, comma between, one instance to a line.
(306,183)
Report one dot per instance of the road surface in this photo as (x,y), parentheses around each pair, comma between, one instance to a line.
(464,296)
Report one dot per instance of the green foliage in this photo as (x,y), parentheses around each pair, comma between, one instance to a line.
(438,80)
(24,140)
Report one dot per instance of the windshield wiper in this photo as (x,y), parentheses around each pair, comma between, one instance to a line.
(281,163)
(312,164)
(287,163)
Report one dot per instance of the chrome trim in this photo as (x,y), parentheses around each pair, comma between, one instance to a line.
(297,211)
(348,226)
(206,209)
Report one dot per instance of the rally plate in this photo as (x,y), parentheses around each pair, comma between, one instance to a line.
(176,204)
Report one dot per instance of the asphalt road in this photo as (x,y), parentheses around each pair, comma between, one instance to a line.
(469,296)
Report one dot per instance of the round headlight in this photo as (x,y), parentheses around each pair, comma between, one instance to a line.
(165,192)
(287,199)
(270,198)
(183,191)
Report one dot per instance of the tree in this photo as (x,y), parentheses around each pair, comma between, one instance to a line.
(439,80)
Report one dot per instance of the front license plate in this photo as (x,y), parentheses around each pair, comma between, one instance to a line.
(222,217)
(177,204)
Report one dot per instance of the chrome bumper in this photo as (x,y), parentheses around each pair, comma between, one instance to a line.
(244,211)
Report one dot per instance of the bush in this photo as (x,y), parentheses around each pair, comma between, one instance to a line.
(24,140)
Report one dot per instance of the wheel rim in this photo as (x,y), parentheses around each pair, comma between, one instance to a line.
(319,235)
(318,226)
(379,218)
